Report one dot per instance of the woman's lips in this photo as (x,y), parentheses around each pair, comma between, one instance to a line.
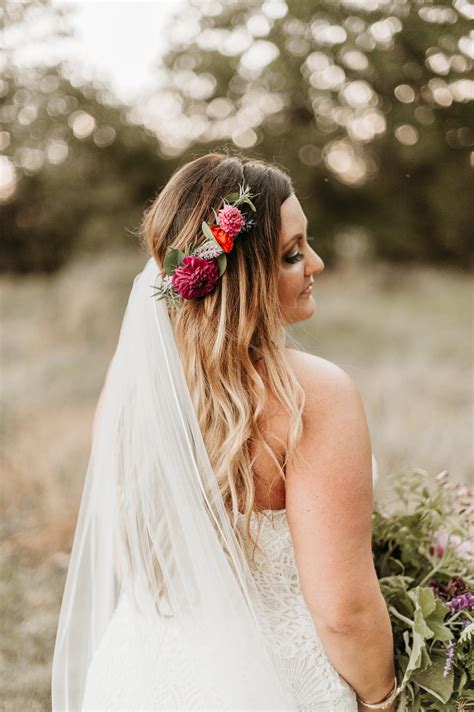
(308,289)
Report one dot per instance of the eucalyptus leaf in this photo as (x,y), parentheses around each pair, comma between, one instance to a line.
(222,263)
(232,197)
(172,260)
(207,231)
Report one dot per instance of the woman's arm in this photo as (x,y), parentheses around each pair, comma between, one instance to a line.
(329,504)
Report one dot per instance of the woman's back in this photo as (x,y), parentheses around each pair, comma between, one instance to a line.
(270,489)
(153,670)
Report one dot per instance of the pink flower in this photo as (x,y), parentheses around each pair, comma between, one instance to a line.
(230,219)
(195,277)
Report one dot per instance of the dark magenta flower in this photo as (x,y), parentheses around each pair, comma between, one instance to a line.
(195,277)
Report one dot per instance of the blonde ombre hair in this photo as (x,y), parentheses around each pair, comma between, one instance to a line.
(222,335)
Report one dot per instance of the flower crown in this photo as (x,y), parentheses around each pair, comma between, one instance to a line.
(195,273)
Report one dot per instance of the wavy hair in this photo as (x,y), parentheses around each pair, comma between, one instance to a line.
(222,336)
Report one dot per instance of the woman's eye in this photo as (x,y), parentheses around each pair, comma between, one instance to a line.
(294,258)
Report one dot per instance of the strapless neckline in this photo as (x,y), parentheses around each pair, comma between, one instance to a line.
(266,511)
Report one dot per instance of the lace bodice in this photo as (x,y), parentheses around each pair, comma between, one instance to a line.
(316,683)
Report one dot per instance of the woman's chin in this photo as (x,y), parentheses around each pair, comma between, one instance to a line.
(304,310)
(306,305)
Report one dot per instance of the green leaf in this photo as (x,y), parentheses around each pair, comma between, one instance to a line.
(172,260)
(420,625)
(433,681)
(249,202)
(232,197)
(426,600)
(440,611)
(441,632)
(415,656)
(222,263)
(462,681)
(207,231)
(467,633)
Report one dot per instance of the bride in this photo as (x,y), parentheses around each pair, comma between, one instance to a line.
(222,555)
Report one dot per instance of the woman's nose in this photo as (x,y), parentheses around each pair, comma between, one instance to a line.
(315,264)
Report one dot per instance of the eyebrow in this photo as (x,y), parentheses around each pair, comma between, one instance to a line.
(293,239)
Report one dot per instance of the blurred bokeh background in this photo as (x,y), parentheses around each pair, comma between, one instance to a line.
(368,105)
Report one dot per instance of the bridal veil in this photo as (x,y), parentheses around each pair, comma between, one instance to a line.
(152,521)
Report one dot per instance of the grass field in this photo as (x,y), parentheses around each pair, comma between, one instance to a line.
(403,334)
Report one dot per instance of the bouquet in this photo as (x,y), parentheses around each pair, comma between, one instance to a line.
(424,561)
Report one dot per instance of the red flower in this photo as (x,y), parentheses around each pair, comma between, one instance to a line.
(224,240)
(195,277)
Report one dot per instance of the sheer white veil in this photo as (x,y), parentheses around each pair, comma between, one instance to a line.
(152,522)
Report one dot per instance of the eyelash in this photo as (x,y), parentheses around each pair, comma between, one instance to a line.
(292,259)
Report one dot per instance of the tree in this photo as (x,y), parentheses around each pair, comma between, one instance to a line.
(366,102)
(77,166)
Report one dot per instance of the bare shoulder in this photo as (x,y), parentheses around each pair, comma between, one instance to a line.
(322,380)
(329,493)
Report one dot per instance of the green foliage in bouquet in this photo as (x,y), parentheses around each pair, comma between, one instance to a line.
(424,561)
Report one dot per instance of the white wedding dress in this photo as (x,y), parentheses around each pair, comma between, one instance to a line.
(140,666)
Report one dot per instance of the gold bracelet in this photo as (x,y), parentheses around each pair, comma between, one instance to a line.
(387,700)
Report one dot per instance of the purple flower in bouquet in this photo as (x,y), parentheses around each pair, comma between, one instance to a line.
(449,658)
(230,219)
(461,603)
(195,277)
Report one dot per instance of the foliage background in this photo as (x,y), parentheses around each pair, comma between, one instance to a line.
(368,105)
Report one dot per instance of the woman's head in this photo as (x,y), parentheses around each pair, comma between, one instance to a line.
(259,278)
(222,335)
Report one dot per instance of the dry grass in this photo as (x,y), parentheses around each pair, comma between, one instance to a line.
(403,334)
